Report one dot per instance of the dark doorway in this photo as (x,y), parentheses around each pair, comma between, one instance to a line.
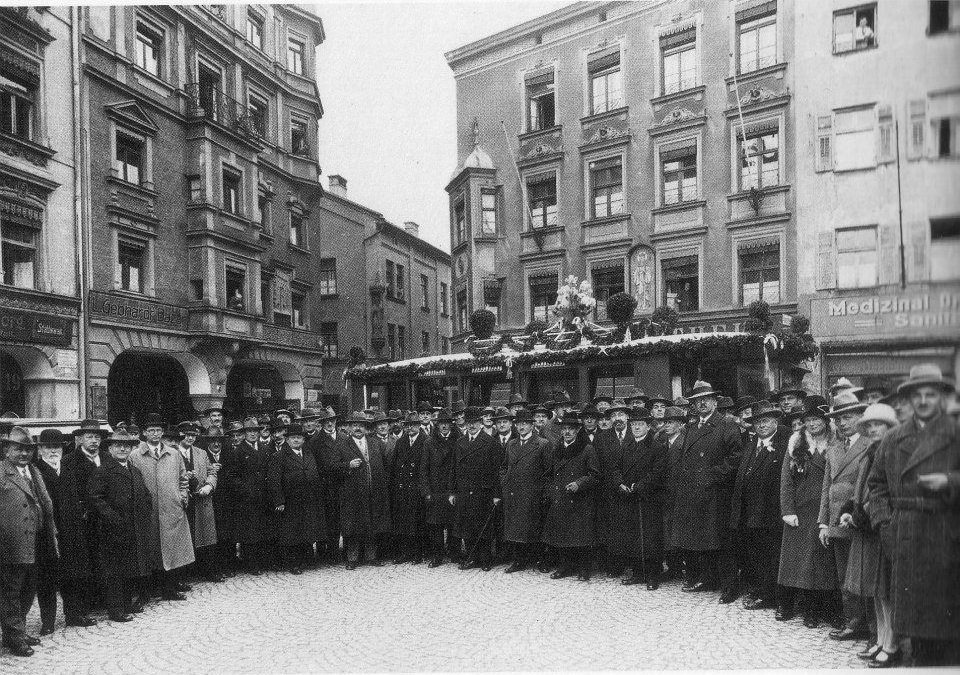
(12,397)
(254,389)
(142,382)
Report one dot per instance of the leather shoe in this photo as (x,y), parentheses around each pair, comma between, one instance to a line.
(486,567)
(784,614)
(811,621)
(583,576)
(543,567)
(184,587)
(632,580)
(416,561)
(30,640)
(351,565)
(136,607)
(758,603)
(375,563)
(436,562)
(698,587)
(885,659)
(868,653)
(81,621)
(515,567)
(120,618)
(848,634)
(561,573)
(297,571)
(400,560)
(20,649)
(46,630)
(653,583)
(179,597)
(468,564)
(728,596)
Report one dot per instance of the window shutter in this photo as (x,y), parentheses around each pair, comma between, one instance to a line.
(886,136)
(824,149)
(889,255)
(918,255)
(281,293)
(918,122)
(826,277)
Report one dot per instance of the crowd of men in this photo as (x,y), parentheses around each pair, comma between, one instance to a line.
(846,511)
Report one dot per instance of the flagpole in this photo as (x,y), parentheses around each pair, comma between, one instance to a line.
(516,169)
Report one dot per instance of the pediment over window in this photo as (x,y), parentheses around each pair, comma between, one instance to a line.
(131,114)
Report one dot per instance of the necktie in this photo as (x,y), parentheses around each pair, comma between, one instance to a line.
(503,440)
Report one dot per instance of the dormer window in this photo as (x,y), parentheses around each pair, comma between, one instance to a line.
(16,107)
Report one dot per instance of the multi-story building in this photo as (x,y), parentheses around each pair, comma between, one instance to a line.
(40,338)
(646,147)
(201,188)
(400,310)
(878,212)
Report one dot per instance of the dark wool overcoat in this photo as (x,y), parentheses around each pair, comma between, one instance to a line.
(705,474)
(364,501)
(476,482)
(224,497)
(436,478)
(756,492)
(406,502)
(294,481)
(254,519)
(920,530)
(524,479)
(635,526)
(124,508)
(571,516)
(867,570)
(673,462)
(77,527)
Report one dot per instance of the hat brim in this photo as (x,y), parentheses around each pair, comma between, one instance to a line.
(100,432)
(853,407)
(945,384)
(777,414)
(703,394)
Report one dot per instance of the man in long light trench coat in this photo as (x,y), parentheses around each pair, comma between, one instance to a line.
(168,483)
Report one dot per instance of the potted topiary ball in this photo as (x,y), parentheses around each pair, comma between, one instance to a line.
(482,322)
(620,308)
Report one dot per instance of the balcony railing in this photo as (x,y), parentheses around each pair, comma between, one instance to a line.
(214,105)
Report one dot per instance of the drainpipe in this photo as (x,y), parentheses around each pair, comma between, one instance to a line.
(79,209)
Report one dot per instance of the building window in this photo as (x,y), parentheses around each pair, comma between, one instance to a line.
(854,139)
(757,37)
(425,342)
(392,341)
(855,29)
(491,298)
(391,280)
(194,189)
(265,297)
(266,208)
(424,292)
(130,258)
(606,181)
(944,16)
(944,249)
(231,191)
(298,137)
(149,48)
(255,30)
(760,274)
(759,155)
(945,136)
(19,255)
(400,288)
(607,281)
(681,283)
(542,195)
(295,51)
(543,293)
(488,213)
(444,306)
(259,113)
(678,169)
(401,341)
(540,102)
(236,288)
(16,107)
(328,333)
(297,231)
(857,257)
(298,309)
(606,82)
(678,61)
(462,310)
(445,345)
(327,277)
(129,158)
(460,221)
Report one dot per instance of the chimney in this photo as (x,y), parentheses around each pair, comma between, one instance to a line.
(338,185)
(412,228)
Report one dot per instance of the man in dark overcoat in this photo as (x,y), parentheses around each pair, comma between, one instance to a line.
(524,479)
(122,501)
(328,436)
(608,444)
(356,462)
(476,490)
(915,488)
(755,507)
(671,434)
(222,459)
(436,486)
(406,502)
(705,474)
(254,521)
(570,522)
(49,461)
(295,492)
(26,525)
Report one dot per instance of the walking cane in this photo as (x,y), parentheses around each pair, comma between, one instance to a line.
(483,531)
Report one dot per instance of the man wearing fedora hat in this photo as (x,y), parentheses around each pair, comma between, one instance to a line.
(516,403)
(222,459)
(254,520)
(840,475)
(755,506)
(203,482)
(406,503)
(671,434)
(705,476)
(476,490)
(435,480)
(914,484)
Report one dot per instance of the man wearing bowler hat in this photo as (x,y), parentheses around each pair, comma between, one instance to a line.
(476,490)
(914,485)
(707,466)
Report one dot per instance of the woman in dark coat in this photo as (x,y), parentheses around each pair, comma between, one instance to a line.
(636,508)
(295,491)
(120,497)
(436,486)
(804,562)
(524,479)
(570,523)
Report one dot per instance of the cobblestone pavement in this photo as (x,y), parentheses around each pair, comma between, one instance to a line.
(408,617)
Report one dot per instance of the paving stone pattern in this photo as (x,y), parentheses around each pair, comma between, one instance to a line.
(408,618)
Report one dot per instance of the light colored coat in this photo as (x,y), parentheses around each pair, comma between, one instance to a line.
(204,526)
(840,476)
(23,516)
(167,482)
